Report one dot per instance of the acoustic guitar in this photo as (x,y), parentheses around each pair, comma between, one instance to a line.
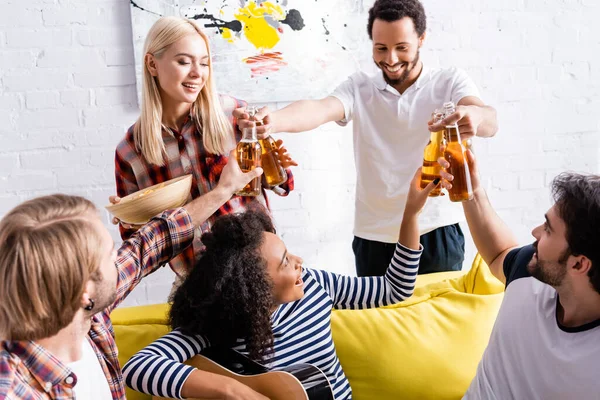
(295,382)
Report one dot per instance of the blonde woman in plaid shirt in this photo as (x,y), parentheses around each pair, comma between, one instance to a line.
(182,128)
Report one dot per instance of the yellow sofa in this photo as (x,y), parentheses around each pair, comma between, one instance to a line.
(427,347)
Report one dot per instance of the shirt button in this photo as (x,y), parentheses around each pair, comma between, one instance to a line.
(48,386)
(69,380)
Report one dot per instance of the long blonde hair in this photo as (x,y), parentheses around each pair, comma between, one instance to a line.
(215,128)
(49,250)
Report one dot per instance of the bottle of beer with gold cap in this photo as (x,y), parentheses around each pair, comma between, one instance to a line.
(248,154)
(455,154)
(273,172)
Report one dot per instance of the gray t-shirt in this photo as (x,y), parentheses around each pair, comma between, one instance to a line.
(530,354)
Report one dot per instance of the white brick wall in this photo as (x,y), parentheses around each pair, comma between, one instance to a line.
(67,94)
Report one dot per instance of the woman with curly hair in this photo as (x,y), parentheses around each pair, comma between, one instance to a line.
(249,293)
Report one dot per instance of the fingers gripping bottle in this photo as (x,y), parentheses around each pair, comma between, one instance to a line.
(248,154)
(455,154)
(273,172)
(434,150)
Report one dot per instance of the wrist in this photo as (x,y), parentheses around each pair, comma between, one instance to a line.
(410,215)
(224,191)
(230,387)
(273,123)
(478,193)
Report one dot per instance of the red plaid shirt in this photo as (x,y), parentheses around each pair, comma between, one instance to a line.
(28,371)
(185,154)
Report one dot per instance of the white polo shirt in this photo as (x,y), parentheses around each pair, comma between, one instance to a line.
(390,134)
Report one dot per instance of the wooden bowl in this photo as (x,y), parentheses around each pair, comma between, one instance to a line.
(139,207)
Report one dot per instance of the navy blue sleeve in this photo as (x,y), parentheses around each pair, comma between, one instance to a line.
(515,263)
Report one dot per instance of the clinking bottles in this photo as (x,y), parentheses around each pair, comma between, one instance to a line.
(455,154)
(248,154)
(434,150)
(273,172)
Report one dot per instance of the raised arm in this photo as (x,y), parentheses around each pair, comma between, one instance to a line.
(480,119)
(492,237)
(151,247)
(473,116)
(398,283)
(305,115)
(158,370)
(299,116)
(168,234)
(232,179)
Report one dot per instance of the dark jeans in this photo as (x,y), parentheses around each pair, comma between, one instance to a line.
(444,250)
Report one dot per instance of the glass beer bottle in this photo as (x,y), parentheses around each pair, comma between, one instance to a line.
(248,154)
(455,154)
(273,172)
(434,150)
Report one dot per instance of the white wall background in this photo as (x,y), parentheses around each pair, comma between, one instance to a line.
(67,96)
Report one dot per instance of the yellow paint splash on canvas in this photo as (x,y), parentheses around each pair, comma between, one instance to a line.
(256,29)
(227,35)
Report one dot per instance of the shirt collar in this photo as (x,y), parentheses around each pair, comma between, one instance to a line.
(382,85)
(189,120)
(46,369)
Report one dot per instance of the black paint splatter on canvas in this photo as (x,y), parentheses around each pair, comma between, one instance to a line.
(324,26)
(234,25)
(134,4)
(294,20)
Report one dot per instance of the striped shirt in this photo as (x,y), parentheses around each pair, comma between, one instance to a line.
(301,329)
(29,371)
(186,154)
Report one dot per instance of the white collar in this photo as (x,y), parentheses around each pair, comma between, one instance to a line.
(381,84)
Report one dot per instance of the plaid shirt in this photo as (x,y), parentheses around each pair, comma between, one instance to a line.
(28,371)
(185,154)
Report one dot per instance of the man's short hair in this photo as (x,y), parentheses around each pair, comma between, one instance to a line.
(394,10)
(577,199)
(49,249)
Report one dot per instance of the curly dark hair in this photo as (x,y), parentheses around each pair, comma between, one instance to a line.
(577,199)
(394,10)
(228,294)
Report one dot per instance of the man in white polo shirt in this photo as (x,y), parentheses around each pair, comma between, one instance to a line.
(546,340)
(390,113)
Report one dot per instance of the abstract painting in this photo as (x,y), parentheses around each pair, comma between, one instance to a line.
(269,50)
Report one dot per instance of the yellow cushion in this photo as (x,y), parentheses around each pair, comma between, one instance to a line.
(425,348)
(135,328)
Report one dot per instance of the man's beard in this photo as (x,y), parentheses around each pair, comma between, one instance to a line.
(106,293)
(549,272)
(397,82)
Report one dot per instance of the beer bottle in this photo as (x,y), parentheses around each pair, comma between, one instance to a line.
(273,172)
(455,154)
(434,150)
(248,154)
(467,143)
